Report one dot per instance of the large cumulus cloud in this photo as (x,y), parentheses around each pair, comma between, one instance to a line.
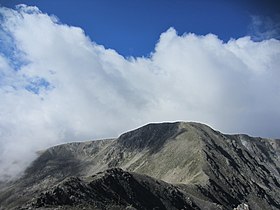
(56,85)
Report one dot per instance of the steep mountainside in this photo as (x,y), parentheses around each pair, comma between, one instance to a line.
(179,165)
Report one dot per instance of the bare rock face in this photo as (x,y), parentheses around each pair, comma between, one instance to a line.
(158,166)
(242,206)
(114,188)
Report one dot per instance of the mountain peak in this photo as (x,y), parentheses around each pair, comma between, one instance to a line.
(151,136)
(205,165)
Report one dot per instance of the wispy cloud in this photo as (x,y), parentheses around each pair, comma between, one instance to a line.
(69,88)
(263,28)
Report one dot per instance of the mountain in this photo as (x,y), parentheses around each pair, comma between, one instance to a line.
(158,166)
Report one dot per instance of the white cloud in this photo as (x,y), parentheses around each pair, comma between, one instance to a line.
(70,88)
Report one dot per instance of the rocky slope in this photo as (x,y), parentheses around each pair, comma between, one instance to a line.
(164,166)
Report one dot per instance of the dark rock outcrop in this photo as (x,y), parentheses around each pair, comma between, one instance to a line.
(114,188)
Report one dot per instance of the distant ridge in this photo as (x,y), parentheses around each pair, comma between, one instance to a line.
(181,165)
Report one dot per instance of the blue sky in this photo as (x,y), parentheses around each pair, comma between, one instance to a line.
(90,69)
(132,27)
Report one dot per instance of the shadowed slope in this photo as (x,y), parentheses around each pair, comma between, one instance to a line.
(117,189)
